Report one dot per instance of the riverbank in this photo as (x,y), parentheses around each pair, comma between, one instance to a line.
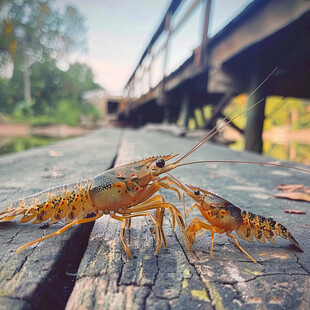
(54,131)
(19,137)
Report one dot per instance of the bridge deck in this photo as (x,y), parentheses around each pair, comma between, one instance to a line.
(77,270)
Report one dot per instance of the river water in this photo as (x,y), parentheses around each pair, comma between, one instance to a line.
(20,137)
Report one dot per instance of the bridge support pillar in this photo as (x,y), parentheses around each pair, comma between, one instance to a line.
(167,115)
(255,118)
(185,110)
(171,114)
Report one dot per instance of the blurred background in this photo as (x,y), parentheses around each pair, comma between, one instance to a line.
(69,67)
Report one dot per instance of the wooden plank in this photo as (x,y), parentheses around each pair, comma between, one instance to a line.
(174,278)
(179,279)
(231,279)
(107,279)
(41,276)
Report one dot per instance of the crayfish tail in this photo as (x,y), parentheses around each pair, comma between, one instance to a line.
(263,229)
(245,233)
(286,234)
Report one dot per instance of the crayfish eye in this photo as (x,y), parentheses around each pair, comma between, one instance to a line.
(160,163)
(197,192)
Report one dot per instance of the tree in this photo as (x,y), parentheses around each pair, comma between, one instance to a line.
(32,31)
(51,84)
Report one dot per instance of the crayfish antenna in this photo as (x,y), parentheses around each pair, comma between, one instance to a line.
(244,162)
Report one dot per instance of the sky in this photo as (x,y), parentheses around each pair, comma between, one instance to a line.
(119,31)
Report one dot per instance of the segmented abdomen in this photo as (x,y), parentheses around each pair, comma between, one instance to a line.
(263,228)
(65,201)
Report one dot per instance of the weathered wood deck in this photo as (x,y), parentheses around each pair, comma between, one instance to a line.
(87,268)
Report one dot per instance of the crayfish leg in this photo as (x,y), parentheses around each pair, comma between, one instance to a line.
(240,247)
(122,233)
(212,242)
(60,231)
(122,237)
(124,218)
(159,219)
(195,225)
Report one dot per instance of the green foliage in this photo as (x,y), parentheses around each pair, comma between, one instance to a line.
(34,36)
(21,144)
(56,95)
(22,110)
(237,106)
(65,111)
(238,145)
(290,113)
(275,150)
(207,111)
(293,151)
(287,111)
(199,117)
(33,29)
(6,100)
(279,111)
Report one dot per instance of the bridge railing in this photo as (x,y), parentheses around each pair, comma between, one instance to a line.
(156,62)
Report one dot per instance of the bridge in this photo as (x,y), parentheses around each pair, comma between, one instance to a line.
(267,34)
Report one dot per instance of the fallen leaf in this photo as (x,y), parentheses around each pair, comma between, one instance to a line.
(290,187)
(53,153)
(294,192)
(294,196)
(295,211)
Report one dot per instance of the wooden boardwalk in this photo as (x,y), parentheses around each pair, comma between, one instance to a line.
(87,268)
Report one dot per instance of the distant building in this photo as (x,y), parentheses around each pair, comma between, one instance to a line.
(106,103)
